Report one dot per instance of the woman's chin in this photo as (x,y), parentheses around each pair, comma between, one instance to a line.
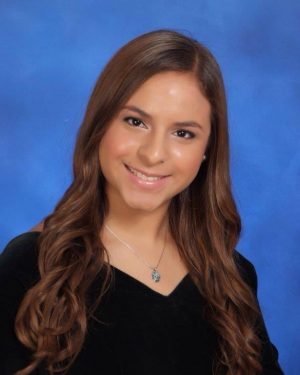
(144,205)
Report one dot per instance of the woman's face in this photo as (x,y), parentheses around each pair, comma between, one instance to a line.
(162,131)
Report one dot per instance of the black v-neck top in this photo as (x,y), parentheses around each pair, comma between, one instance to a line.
(146,333)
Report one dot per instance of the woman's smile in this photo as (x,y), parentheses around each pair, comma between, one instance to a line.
(144,181)
(143,173)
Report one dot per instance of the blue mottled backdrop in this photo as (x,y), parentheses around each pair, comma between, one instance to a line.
(51,55)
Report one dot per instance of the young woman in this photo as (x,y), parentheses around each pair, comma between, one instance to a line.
(136,271)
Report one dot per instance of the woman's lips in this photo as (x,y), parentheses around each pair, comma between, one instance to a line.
(145,173)
(144,183)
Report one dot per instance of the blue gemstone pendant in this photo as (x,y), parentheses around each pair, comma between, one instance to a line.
(155,276)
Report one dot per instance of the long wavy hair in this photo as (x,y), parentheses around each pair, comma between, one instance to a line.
(203,219)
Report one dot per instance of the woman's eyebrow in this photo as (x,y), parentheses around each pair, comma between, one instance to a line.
(191,124)
(138,110)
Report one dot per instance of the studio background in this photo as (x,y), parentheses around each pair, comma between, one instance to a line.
(51,55)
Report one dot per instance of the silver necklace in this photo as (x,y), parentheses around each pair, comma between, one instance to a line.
(155,274)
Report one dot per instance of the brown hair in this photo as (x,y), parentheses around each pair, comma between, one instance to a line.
(53,317)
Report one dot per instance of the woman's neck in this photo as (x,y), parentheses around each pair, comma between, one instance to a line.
(140,228)
(137,226)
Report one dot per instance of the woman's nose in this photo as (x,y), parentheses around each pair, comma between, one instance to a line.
(153,150)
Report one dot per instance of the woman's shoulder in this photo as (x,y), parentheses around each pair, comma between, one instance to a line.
(246,269)
(20,250)
(19,262)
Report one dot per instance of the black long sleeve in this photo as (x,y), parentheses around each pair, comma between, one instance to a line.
(146,333)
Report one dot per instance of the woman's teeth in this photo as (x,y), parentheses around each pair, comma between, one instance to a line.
(142,176)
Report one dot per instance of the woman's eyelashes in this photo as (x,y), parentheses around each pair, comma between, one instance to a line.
(181,131)
(133,121)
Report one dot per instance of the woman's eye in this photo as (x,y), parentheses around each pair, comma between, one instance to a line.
(133,121)
(183,133)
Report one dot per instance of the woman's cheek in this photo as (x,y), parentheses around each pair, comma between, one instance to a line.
(189,160)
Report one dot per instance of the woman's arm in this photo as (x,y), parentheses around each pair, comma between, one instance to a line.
(18,270)
(269,351)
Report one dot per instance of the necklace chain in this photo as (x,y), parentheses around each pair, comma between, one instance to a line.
(155,274)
